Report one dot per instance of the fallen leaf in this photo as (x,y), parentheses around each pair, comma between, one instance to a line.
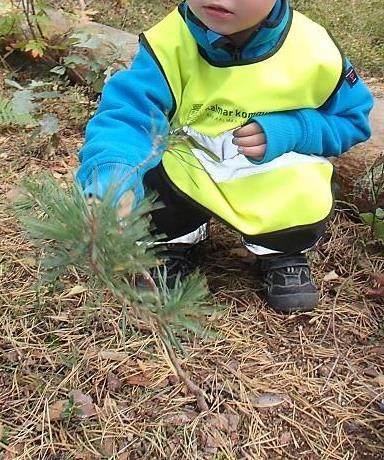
(12,357)
(379,351)
(146,377)
(140,379)
(371,371)
(56,409)
(14,451)
(78,289)
(379,278)
(331,276)
(14,195)
(109,446)
(285,438)
(113,382)
(379,380)
(268,400)
(377,292)
(84,403)
(227,423)
(123,456)
(181,418)
(2,431)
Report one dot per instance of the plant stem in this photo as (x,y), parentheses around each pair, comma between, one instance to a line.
(26,14)
(184,377)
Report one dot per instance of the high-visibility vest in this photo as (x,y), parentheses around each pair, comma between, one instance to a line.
(302,71)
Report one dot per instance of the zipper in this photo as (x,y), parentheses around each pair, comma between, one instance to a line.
(237,54)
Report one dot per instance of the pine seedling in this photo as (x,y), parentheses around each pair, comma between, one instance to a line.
(114,252)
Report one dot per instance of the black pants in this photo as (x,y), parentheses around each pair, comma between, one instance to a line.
(180,216)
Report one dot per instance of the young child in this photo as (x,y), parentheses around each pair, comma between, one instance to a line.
(261,95)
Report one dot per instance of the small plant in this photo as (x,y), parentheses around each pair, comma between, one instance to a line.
(373,181)
(71,411)
(95,70)
(24,109)
(115,253)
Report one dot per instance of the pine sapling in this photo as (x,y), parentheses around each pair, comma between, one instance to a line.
(116,252)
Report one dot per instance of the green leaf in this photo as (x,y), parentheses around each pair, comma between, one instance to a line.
(85,40)
(58,70)
(22,101)
(73,59)
(49,125)
(9,118)
(13,83)
(47,95)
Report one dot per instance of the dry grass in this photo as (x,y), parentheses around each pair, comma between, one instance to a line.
(279,387)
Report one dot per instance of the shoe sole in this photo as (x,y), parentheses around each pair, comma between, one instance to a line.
(291,304)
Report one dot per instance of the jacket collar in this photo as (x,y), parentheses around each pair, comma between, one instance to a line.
(221,49)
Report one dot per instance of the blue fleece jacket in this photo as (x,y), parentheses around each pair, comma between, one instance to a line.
(135,103)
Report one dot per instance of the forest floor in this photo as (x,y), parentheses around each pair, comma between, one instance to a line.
(305,386)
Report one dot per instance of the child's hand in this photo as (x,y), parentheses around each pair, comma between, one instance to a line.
(251,141)
(125,204)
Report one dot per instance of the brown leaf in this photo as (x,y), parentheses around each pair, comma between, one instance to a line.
(109,446)
(379,351)
(371,371)
(227,423)
(84,403)
(113,382)
(181,418)
(379,278)
(378,291)
(285,438)
(14,451)
(14,195)
(12,357)
(123,456)
(331,276)
(56,409)
(146,378)
(379,380)
(268,400)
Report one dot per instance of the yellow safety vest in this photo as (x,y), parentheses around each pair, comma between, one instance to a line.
(302,72)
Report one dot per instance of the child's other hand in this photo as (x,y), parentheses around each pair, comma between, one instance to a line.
(126,204)
(124,207)
(251,141)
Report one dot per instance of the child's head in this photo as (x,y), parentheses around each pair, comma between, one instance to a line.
(228,17)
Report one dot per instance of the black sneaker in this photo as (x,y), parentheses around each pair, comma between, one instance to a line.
(288,283)
(176,265)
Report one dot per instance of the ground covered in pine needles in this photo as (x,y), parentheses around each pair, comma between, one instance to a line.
(76,384)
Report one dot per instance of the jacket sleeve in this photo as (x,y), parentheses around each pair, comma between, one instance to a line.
(328,131)
(120,139)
